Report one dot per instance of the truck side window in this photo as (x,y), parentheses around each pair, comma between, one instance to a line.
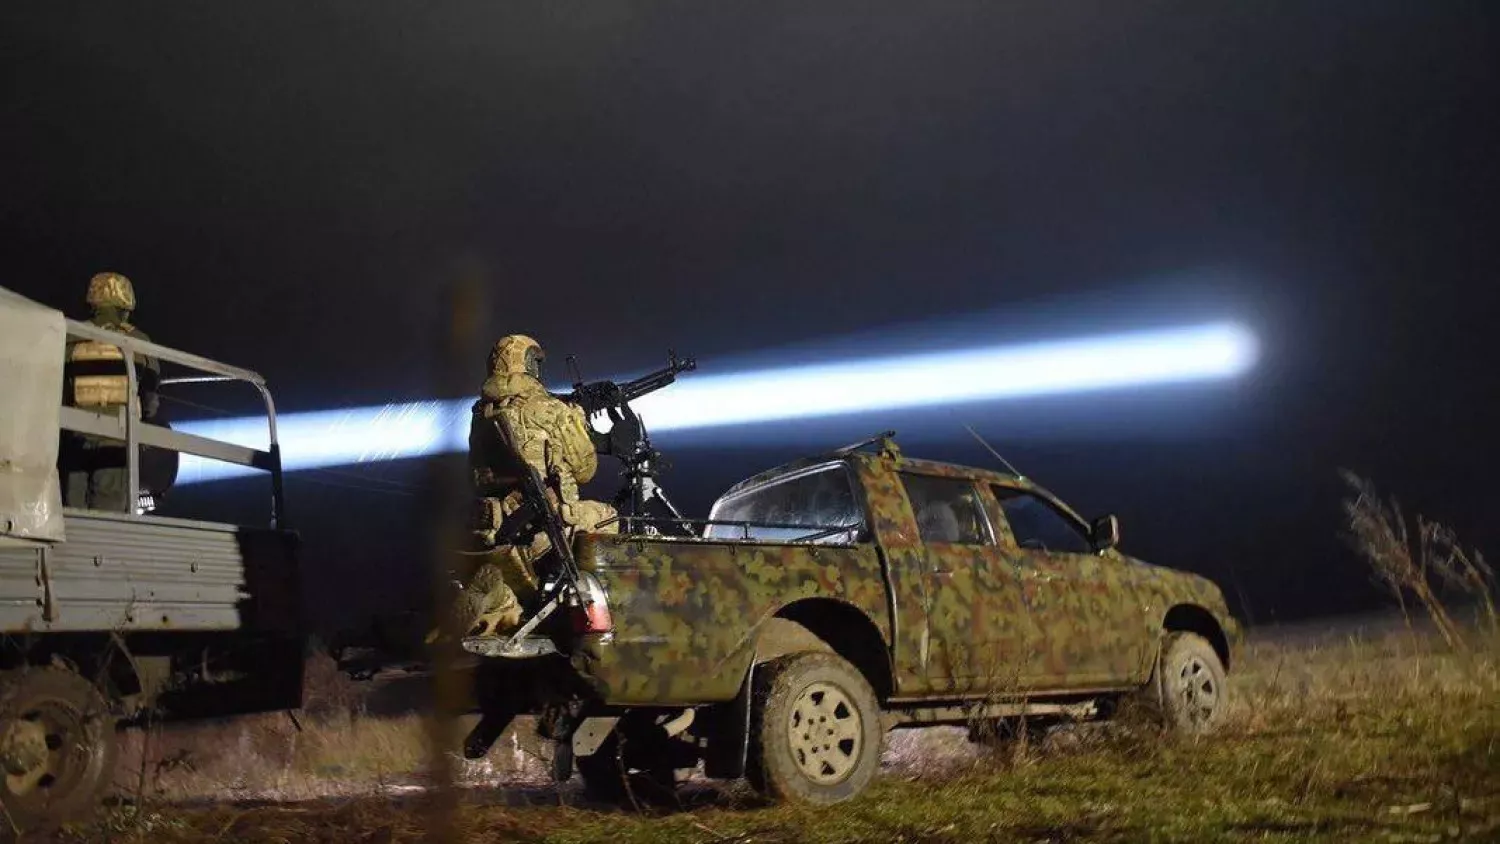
(947,510)
(1038,525)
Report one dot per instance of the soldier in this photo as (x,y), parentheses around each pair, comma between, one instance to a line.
(95,469)
(555,439)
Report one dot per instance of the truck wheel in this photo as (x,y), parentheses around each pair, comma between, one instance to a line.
(815,731)
(1191,687)
(57,746)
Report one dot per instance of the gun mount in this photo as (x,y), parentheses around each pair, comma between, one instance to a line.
(627,439)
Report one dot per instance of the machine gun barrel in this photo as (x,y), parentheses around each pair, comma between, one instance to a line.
(605,395)
(653,381)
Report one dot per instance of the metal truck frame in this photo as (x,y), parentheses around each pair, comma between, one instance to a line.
(131,617)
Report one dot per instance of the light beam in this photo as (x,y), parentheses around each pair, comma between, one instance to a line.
(319,439)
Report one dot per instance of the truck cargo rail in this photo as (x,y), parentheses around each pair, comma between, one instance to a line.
(125,427)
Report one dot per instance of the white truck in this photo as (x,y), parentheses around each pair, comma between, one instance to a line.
(110,620)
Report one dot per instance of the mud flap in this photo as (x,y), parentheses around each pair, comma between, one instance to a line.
(591,734)
(729,734)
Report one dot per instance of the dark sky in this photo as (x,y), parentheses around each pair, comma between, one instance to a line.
(291,186)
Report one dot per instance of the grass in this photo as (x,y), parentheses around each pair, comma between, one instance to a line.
(1387,738)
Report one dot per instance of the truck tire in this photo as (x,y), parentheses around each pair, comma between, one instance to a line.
(1190,685)
(815,730)
(63,777)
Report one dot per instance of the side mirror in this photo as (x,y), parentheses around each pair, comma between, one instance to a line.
(1106,532)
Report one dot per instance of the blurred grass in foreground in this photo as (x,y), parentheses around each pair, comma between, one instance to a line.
(1383,739)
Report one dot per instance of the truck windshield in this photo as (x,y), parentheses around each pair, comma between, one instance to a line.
(806,503)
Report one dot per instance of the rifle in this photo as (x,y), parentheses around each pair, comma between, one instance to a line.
(538,506)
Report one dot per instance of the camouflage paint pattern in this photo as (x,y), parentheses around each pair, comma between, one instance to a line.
(1159,589)
(958,619)
(687,612)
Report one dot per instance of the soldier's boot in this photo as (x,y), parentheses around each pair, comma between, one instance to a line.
(500,617)
(490,606)
(461,615)
(467,606)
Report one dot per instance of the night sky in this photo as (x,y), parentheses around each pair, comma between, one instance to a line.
(293,186)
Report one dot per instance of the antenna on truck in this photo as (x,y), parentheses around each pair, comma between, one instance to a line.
(991,450)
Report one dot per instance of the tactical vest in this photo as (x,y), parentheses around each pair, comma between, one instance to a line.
(530,407)
(97,377)
(577,447)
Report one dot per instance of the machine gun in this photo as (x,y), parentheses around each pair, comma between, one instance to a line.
(602,396)
(627,438)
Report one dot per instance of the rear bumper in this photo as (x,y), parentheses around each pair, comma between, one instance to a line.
(502,648)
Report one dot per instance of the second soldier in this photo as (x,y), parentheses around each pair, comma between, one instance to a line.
(553,438)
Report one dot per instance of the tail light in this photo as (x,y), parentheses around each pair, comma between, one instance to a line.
(592,613)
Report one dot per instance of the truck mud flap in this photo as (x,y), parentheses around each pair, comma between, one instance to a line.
(728,730)
(591,734)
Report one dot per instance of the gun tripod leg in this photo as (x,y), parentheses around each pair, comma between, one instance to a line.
(657,494)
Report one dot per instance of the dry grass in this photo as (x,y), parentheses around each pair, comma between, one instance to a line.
(1405,563)
(1384,738)
(335,748)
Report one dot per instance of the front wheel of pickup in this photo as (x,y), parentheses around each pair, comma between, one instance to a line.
(815,731)
(1190,684)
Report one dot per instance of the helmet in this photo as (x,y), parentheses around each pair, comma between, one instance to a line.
(111,290)
(517,354)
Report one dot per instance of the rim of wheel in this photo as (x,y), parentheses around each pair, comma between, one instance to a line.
(825,733)
(64,730)
(1198,690)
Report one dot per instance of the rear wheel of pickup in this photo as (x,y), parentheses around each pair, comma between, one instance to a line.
(57,746)
(815,731)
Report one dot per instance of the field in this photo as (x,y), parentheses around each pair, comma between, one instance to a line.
(1359,735)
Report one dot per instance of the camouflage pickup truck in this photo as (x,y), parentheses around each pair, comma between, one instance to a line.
(829,600)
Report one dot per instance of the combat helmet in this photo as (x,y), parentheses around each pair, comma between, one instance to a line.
(517,354)
(111,290)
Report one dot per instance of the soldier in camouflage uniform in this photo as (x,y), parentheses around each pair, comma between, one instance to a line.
(95,473)
(555,439)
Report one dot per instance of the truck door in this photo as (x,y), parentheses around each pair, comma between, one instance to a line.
(1088,617)
(977,626)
